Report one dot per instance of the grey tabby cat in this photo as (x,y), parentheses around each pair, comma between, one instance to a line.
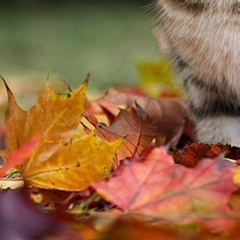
(203,39)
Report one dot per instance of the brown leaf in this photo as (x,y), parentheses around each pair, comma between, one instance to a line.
(195,152)
(134,127)
(191,154)
(168,115)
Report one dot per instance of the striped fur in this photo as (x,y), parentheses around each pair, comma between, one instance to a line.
(203,39)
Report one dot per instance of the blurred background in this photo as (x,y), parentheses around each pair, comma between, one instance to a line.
(65,39)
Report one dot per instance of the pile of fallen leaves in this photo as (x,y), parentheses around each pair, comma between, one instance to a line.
(124,166)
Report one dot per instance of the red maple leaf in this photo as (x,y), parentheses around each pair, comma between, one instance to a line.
(159,189)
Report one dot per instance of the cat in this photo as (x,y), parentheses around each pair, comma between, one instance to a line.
(202,37)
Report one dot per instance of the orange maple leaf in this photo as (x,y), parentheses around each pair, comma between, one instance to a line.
(70,167)
(66,157)
(55,116)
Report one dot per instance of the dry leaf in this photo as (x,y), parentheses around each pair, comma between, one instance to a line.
(55,115)
(159,189)
(170,116)
(136,130)
(195,152)
(70,167)
(66,157)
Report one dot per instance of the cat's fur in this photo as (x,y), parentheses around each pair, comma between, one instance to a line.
(203,39)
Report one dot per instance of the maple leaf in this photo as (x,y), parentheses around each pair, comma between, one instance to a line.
(132,126)
(114,100)
(168,115)
(145,120)
(70,167)
(159,189)
(66,157)
(55,115)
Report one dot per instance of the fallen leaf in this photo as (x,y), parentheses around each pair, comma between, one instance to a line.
(70,167)
(55,115)
(159,189)
(193,153)
(114,100)
(135,128)
(19,157)
(170,116)
(66,157)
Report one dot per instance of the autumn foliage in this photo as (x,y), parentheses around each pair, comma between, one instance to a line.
(123,166)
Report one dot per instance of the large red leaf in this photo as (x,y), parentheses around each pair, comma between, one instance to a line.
(161,190)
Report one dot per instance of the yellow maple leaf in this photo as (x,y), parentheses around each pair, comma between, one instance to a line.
(55,115)
(66,157)
(73,166)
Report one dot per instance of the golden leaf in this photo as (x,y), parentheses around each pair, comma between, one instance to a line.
(66,157)
(55,115)
(73,166)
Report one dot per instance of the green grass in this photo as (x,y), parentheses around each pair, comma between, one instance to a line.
(68,42)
